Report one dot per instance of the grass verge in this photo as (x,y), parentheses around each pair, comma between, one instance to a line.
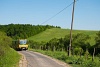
(10,59)
(74,61)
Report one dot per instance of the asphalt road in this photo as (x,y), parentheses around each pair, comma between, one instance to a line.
(39,60)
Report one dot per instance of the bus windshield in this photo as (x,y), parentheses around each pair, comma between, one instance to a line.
(22,42)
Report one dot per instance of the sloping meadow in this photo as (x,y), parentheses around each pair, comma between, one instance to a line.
(8,56)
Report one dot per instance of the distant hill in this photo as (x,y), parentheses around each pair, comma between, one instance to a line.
(20,31)
(60,33)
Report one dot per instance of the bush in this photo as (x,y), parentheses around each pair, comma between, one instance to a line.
(74,60)
(90,63)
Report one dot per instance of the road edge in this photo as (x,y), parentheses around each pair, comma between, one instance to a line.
(23,62)
(58,61)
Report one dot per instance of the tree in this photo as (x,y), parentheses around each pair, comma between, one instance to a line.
(97,45)
(54,44)
(66,42)
(97,39)
(81,40)
(23,30)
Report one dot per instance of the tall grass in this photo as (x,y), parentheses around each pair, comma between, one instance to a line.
(10,59)
(8,56)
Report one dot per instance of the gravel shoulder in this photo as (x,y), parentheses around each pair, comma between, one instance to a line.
(23,62)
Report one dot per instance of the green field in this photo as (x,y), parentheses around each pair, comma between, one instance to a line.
(60,33)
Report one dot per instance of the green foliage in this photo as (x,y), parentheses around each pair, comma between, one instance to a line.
(62,44)
(81,49)
(5,42)
(97,39)
(90,63)
(49,34)
(78,51)
(17,31)
(75,61)
(10,59)
(80,40)
(35,45)
(97,44)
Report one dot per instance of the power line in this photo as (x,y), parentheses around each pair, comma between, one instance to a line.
(58,12)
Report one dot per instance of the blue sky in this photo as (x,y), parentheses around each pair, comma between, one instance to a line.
(87,13)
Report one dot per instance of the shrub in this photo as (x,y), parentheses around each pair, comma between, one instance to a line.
(91,64)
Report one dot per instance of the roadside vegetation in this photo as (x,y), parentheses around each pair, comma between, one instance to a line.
(52,41)
(84,53)
(8,56)
(74,61)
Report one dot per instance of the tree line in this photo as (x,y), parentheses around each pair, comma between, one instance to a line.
(83,53)
(80,44)
(17,31)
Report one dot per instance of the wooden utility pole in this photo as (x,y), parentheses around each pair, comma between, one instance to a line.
(70,45)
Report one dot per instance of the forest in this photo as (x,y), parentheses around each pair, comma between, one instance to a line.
(17,31)
(80,44)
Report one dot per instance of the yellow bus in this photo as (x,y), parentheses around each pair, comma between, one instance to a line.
(20,44)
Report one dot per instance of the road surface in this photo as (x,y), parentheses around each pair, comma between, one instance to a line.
(35,59)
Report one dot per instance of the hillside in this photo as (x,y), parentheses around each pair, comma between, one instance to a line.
(8,56)
(21,31)
(60,33)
